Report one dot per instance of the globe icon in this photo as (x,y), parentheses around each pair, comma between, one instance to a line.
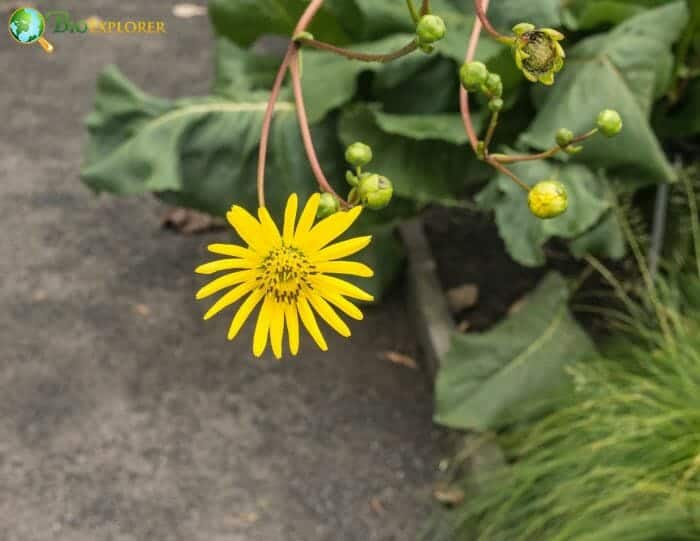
(27,26)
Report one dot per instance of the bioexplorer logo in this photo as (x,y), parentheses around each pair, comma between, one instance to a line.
(28,26)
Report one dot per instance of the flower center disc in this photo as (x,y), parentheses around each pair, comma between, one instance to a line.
(541,52)
(284,272)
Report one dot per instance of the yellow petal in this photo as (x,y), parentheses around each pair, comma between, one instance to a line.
(560,50)
(336,285)
(262,327)
(247,227)
(309,321)
(225,281)
(352,268)
(277,329)
(292,318)
(342,249)
(329,228)
(244,312)
(232,296)
(272,234)
(530,76)
(232,250)
(290,216)
(547,78)
(224,264)
(344,305)
(308,215)
(328,314)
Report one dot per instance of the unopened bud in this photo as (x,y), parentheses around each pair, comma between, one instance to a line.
(473,75)
(430,29)
(609,123)
(564,137)
(548,199)
(375,191)
(358,154)
(327,206)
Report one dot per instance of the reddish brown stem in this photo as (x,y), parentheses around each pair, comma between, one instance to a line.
(480,6)
(306,131)
(513,158)
(493,163)
(267,122)
(356,55)
(463,94)
(303,23)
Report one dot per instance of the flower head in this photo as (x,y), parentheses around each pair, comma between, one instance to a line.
(548,199)
(538,53)
(288,274)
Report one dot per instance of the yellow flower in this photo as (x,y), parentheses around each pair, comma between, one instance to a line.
(289,273)
(538,53)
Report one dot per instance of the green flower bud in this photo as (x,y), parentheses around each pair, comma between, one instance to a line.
(548,199)
(473,75)
(327,206)
(430,29)
(564,137)
(427,48)
(609,123)
(538,53)
(352,196)
(351,178)
(375,191)
(573,149)
(493,85)
(358,154)
(495,105)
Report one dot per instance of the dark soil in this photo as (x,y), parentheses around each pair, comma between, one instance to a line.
(468,250)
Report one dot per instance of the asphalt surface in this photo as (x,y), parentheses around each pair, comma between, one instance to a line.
(122,415)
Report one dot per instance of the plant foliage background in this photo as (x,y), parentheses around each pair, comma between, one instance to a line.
(201,152)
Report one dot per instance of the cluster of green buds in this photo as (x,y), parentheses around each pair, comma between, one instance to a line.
(429,30)
(548,198)
(370,190)
(537,51)
(476,77)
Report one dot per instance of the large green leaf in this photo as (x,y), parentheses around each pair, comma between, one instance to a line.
(485,376)
(237,71)
(506,13)
(523,233)
(244,21)
(626,69)
(422,170)
(201,152)
(330,81)
(587,14)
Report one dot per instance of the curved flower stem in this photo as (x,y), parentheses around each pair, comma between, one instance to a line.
(425,8)
(267,122)
(303,23)
(306,131)
(463,94)
(503,169)
(490,131)
(412,11)
(355,55)
(513,158)
(480,6)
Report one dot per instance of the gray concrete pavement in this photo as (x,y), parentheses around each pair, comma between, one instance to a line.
(122,415)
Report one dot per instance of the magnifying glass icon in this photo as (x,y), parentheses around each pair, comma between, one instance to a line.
(27,26)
